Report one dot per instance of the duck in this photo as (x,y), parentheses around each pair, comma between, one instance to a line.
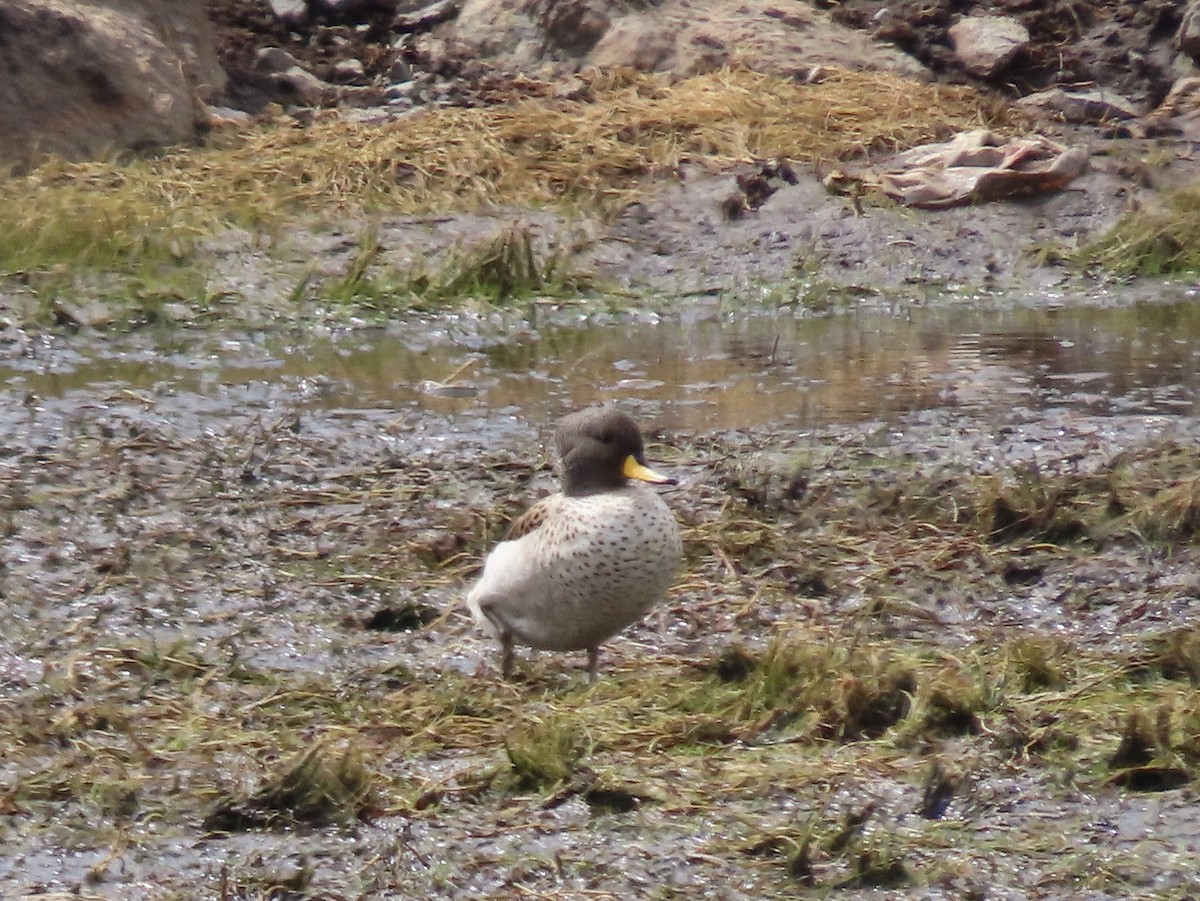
(583,564)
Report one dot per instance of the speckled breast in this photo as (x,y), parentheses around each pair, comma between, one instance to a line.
(613,556)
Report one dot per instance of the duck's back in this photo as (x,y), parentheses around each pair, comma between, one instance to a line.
(591,567)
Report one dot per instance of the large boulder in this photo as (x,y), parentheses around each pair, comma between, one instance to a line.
(682,37)
(985,45)
(89,78)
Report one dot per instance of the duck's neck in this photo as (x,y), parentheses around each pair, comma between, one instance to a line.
(574,486)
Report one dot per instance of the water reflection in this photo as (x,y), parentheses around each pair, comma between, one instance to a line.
(698,371)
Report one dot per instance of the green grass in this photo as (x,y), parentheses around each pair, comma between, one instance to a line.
(500,270)
(1155,241)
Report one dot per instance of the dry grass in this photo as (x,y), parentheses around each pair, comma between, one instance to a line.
(599,150)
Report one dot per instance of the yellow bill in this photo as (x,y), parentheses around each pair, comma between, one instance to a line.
(635,470)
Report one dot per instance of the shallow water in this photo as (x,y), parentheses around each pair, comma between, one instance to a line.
(703,369)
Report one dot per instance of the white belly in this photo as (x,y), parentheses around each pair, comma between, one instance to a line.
(598,564)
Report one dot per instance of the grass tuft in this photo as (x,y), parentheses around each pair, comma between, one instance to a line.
(544,754)
(1039,663)
(1147,757)
(1176,654)
(1156,242)
(322,785)
(952,708)
(1031,506)
(504,268)
(882,869)
(799,864)
(823,689)
(941,784)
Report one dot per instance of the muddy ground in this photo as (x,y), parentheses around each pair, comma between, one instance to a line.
(934,654)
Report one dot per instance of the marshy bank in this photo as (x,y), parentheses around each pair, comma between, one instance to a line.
(266,404)
(923,642)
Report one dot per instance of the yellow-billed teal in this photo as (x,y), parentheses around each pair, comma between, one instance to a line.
(580,566)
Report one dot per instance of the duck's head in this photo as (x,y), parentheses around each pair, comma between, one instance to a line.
(601,450)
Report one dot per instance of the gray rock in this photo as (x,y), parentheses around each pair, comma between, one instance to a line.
(342,7)
(399,71)
(348,71)
(399,92)
(986,44)
(436,53)
(427,16)
(86,79)
(227,115)
(360,99)
(577,26)
(638,42)
(302,85)
(1187,38)
(289,76)
(1081,107)
(274,59)
(348,8)
(683,37)
(292,13)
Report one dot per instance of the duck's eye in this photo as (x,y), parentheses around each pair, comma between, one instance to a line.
(606,438)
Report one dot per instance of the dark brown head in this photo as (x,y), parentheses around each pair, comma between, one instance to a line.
(601,449)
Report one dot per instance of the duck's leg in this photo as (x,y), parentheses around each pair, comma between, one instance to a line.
(593,667)
(503,634)
(506,654)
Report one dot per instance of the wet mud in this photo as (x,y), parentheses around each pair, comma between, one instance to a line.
(224,553)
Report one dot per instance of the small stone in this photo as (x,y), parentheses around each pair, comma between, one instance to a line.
(986,44)
(292,13)
(302,85)
(425,18)
(347,71)
(274,59)
(399,71)
(572,88)
(576,26)
(221,116)
(178,312)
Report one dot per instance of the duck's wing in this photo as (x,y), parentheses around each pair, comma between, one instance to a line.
(531,520)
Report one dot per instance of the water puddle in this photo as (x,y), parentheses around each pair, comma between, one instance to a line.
(703,370)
